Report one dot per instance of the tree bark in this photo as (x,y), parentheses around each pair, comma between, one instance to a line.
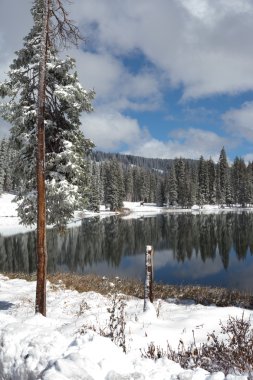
(40,304)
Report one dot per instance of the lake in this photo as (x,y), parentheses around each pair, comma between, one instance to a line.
(205,249)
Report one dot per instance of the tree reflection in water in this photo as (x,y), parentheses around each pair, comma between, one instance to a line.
(109,242)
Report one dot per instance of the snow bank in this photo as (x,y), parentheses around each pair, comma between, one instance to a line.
(67,344)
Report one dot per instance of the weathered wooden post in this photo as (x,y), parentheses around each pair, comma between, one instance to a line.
(148,287)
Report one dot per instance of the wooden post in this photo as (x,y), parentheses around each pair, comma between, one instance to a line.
(148,287)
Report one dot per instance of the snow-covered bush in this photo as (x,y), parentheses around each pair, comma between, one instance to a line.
(231,351)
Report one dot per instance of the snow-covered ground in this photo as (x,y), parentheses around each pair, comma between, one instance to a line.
(67,344)
(9,221)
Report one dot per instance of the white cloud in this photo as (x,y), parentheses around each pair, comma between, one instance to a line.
(248,157)
(116,132)
(240,121)
(115,87)
(191,143)
(15,23)
(110,130)
(195,43)
(202,45)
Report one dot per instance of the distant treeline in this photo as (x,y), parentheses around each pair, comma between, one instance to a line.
(114,178)
(180,182)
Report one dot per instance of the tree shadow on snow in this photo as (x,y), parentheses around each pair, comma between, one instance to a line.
(4,305)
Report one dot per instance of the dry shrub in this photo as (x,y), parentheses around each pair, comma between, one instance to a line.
(115,330)
(200,294)
(117,323)
(229,352)
(234,351)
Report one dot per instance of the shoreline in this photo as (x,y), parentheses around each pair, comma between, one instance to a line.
(204,295)
(9,221)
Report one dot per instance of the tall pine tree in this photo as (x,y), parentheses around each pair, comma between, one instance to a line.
(65,170)
(113,185)
(224,189)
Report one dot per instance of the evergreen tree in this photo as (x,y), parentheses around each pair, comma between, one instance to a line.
(2,160)
(219,197)
(113,185)
(144,184)
(181,179)
(250,183)
(101,180)
(160,194)
(65,171)
(203,179)
(224,179)
(240,181)
(10,180)
(189,186)
(94,188)
(136,184)
(212,182)
(152,187)
(193,186)
(129,185)
(172,187)
(166,188)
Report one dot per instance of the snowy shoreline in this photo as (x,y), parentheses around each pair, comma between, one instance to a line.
(10,223)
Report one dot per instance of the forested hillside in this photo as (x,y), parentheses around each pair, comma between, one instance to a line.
(114,178)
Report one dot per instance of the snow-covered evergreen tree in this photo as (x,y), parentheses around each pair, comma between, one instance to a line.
(160,193)
(189,186)
(65,171)
(250,183)
(181,180)
(8,181)
(172,187)
(240,181)
(203,188)
(153,181)
(2,159)
(113,184)
(129,185)
(223,172)
(212,181)
(136,184)
(144,185)
(193,186)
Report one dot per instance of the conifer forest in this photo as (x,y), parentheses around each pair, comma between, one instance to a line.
(113,178)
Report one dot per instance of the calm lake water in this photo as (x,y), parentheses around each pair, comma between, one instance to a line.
(214,249)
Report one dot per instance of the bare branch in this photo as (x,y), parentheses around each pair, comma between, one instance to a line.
(62,28)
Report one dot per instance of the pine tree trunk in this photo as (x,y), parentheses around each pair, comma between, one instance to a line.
(40,304)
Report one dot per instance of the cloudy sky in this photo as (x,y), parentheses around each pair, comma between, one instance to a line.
(172,77)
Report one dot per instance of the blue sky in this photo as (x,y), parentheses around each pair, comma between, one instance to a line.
(172,77)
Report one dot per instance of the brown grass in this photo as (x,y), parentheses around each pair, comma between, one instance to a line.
(231,351)
(104,285)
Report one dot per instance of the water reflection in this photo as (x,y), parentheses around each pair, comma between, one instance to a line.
(214,249)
